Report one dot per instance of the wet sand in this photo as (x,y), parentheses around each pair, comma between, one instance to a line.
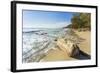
(57,54)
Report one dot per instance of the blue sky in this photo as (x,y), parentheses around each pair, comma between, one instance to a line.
(46,19)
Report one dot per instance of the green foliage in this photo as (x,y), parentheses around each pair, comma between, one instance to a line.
(81,20)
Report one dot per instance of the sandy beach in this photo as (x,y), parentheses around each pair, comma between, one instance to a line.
(60,54)
(85,45)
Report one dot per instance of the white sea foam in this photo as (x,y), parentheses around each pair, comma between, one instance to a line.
(34,39)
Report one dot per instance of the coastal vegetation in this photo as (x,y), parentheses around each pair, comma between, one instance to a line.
(80,21)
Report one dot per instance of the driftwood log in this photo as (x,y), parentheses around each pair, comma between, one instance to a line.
(69,47)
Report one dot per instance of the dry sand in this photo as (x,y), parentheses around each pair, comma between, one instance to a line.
(56,54)
(86,44)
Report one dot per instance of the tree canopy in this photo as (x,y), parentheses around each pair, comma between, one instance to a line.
(80,20)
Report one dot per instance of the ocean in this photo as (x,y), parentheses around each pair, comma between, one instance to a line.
(35,40)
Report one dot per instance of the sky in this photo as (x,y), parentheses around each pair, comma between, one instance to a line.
(46,19)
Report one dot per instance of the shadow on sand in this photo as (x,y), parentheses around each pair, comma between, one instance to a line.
(82,56)
(77,53)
